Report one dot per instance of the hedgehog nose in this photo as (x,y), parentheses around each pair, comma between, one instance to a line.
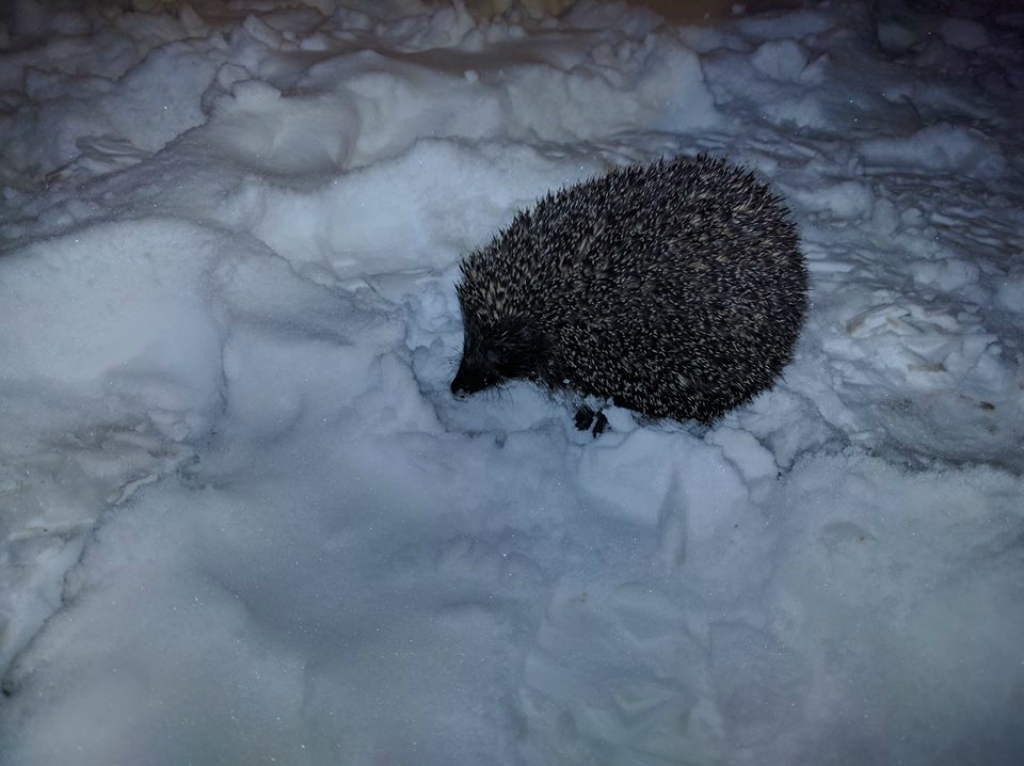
(459,388)
(466,382)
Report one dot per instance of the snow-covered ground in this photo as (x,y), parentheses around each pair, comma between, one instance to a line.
(244,521)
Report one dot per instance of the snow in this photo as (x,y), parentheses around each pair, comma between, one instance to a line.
(242,519)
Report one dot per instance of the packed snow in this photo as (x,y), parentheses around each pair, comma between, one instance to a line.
(244,520)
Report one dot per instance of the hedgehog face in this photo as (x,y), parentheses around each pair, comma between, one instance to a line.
(493,355)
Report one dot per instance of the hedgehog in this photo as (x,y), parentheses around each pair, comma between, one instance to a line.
(675,289)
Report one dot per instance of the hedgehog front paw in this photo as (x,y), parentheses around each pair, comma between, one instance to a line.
(589,419)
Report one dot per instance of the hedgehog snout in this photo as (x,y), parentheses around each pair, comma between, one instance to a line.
(511,353)
(460,388)
(471,378)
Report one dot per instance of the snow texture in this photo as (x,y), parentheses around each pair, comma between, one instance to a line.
(242,519)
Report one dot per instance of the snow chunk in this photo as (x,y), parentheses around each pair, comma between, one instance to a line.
(283,134)
(896,37)
(943,148)
(804,112)
(1010,293)
(452,196)
(743,450)
(783,60)
(761,684)
(117,310)
(144,108)
(964,33)
(630,480)
(846,200)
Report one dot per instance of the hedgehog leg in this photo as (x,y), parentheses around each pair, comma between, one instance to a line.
(589,419)
(584,417)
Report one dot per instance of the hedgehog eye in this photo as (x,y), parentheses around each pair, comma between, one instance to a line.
(496,366)
(513,367)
